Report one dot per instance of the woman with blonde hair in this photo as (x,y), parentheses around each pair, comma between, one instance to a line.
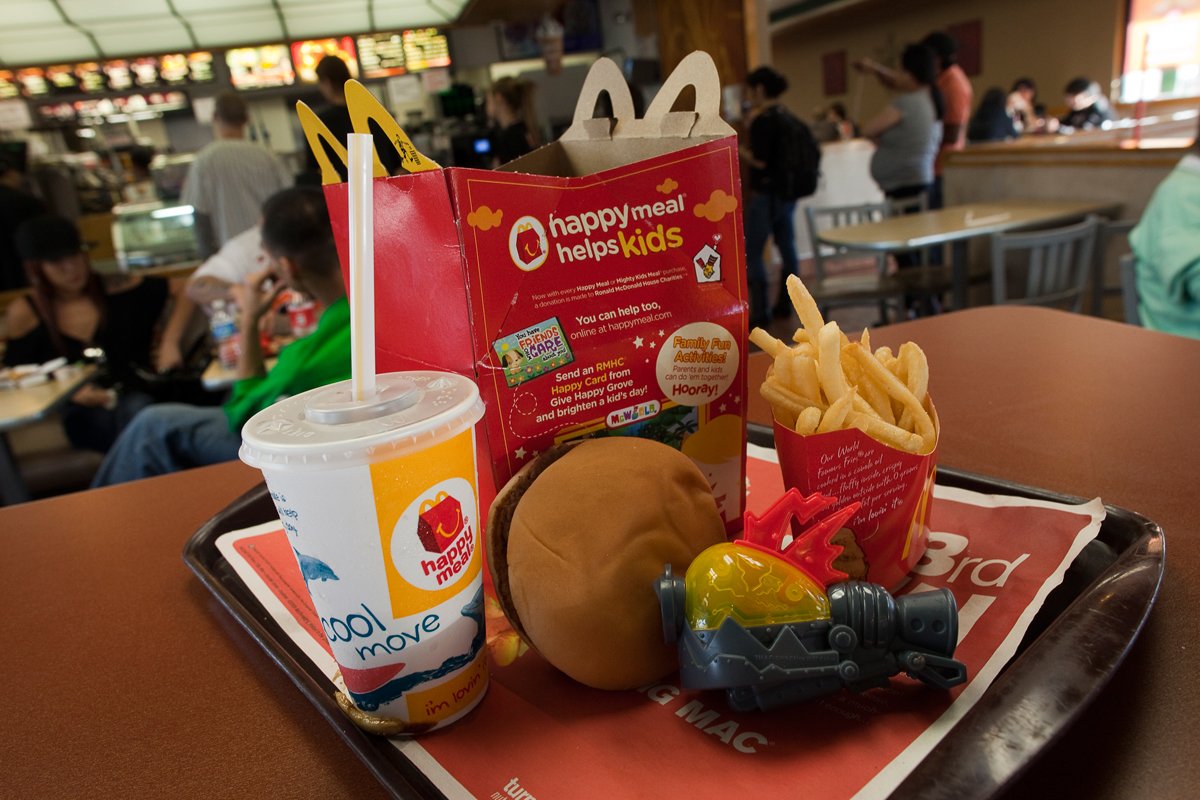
(510,105)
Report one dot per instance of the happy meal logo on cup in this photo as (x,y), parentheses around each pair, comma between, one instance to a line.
(433,541)
(527,244)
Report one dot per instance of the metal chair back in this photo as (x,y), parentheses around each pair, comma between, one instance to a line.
(822,218)
(1059,263)
(1129,296)
(1109,233)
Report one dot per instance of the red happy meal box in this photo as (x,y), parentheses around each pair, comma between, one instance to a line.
(439,522)
(595,287)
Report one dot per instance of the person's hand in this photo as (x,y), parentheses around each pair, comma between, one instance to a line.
(168,357)
(865,65)
(93,396)
(256,295)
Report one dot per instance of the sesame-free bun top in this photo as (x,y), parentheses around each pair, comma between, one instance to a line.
(586,538)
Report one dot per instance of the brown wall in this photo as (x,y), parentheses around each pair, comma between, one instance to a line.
(1050,41)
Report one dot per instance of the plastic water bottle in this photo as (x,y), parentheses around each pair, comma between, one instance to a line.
(223,326)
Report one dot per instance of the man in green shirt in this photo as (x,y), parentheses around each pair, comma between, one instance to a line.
(297,236)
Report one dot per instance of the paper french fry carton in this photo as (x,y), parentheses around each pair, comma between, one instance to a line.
(594,287)
(895,487)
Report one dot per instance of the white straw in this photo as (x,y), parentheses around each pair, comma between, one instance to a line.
(362,266)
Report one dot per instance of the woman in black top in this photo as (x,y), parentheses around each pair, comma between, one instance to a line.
(510,106)
(75,314)
(991,122)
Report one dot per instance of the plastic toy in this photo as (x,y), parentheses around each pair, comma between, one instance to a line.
(773,622)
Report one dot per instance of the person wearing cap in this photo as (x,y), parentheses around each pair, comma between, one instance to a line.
(74,313)
(230,177)
(1088,107)
(298,238)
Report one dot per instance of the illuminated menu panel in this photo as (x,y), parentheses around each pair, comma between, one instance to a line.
(306,56)
(381,55)
(260,67)
(173,69)
(91,77)
(33,82)
(145,72)
(200,66)
(425,48)
(62,78)
(119,77)
(8,85)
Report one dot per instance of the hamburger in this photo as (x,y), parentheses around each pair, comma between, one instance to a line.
(575,541)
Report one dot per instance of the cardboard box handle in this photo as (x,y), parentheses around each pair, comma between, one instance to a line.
(699,71)
(363,108)
(604,76)
(696,70)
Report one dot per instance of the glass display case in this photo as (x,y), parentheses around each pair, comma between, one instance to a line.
(154,234)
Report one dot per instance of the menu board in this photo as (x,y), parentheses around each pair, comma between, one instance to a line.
(8,85)
(119,77)
(260,67)
(381,55)
(173,69)
(306,55)
(91,77)
(200,66)
(425,48)
(61,79)
(33,82)
(145,72)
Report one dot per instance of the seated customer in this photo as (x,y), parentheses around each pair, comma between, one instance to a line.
(296,234)
(1166,244)
(1088,107)
(73,312)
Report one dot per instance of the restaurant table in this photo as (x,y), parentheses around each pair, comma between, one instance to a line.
(127,678)
(22,406)
(956,225)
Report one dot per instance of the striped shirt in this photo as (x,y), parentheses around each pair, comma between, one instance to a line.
(228,182)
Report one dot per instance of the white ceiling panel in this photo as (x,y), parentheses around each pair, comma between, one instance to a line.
(148,37)
(87,11)
(34,32)
(44,45)
(311,23)
(19,13)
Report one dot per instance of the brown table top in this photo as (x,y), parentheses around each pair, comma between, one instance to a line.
(127,678)
(965,221)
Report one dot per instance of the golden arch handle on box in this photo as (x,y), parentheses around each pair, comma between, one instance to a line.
(697,70)
(363,108)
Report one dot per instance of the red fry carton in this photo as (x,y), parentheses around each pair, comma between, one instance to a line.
(440,520)
(895,488)
(595,287)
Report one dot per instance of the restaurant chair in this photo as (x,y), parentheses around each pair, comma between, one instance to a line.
(1055,267)
(1129,296)
(1111,233)
(840,277)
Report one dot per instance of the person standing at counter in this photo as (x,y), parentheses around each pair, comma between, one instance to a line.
(957,98)
(297,236)
(510,106)
(1166,245)
(16,206)
(332,74)
(782,155)
(230,178)
(72,310)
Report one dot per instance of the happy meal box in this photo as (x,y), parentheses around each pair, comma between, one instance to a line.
(594,287)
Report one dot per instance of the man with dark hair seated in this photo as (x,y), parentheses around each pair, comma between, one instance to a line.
(297,236)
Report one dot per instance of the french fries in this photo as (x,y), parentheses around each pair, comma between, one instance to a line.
(824,382)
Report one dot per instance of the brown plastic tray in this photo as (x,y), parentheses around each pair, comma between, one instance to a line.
(1073,647)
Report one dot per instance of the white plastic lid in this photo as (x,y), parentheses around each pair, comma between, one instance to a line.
(326,427)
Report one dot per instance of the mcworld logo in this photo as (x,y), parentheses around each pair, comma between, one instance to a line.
(527,243)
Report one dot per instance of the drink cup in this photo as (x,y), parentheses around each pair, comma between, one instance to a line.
(379,501)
